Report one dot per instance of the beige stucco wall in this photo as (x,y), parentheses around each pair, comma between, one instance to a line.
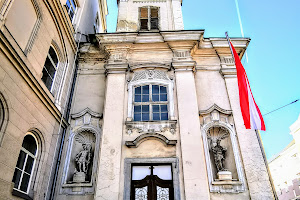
(26,112)
(49,32)
(31,106)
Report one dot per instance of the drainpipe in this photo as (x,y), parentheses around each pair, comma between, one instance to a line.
(68,104)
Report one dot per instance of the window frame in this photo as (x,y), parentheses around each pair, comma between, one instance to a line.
(151,103)
(170,95)
(35,157)
(53,65)
(72,4)
(149,18)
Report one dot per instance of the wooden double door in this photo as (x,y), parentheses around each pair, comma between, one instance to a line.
(153,186)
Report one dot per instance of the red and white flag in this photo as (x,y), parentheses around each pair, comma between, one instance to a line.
(250,111)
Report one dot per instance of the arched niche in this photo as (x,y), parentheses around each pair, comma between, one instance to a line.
(217,123)
(222,134)
(82,139)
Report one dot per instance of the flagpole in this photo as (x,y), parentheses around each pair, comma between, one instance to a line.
(228,40)
(258,137)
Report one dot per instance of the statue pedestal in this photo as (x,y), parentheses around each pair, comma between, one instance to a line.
(224,175)
(79,177)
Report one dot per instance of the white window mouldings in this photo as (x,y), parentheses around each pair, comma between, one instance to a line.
(152,78)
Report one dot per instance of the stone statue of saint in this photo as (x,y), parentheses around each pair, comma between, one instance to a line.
(219,155)
(218,151)
(83,158)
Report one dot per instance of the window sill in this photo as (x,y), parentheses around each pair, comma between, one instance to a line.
(21,195)
(151,126)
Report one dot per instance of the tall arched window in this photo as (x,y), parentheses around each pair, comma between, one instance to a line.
(50,68)
(25,164)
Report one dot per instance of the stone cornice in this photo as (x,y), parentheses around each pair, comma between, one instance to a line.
(184,65)
(147,1)
(209,47)
(149,37)
(116,68)
(32,82)
(151,65)
(229,72)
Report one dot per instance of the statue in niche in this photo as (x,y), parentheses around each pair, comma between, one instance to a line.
(218,151)
(82,159)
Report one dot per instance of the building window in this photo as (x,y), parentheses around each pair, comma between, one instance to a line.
(71,8)
(25,165)
(149,18)
(50,68)
(150,103)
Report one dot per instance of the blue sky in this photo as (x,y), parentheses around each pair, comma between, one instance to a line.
(273,67)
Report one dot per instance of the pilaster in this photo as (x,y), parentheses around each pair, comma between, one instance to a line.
(255,169)
(193,158)
(108,180)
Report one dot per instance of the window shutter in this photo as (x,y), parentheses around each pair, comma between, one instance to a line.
(144,18)
(154,18)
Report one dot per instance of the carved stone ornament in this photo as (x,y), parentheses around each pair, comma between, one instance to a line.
(150,75)
(87,117)
(151,127)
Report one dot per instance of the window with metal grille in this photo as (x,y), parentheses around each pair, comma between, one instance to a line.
(149,18)
(25,164)
(71,8)
(50,68)
(150,103)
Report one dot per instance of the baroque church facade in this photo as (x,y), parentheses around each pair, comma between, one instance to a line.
(150,112)
(155,115)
